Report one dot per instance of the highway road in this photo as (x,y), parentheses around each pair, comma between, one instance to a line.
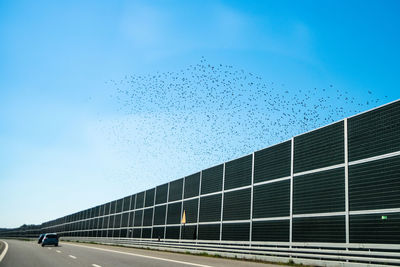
(31,254)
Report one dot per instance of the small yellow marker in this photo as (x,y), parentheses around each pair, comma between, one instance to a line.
(183,221)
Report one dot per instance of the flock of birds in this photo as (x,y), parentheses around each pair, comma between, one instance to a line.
(208,113)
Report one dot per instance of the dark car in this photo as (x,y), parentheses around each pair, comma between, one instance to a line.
(50,239)
(40,238)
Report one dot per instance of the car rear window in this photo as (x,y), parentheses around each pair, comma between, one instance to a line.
(51,236)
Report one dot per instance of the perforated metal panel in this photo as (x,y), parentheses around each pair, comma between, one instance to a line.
(133,201)
(137,232)
(138,217)
(192,184)
(190,207)
(139,200)
(113,207)
(375,132)
(94,226)
(319,229)
(380,228)
(106,211)
(236,231)
(209,231)
(272,200)
(272,162)
(320,148)
(97,211)
(161,194)
(117,222)
(105,222)
(211,179)
(103,233)
(148,217)
(174,213)
(110,223)
(319,192)
(237,205)
(159,215)
(123,233)
(150,197)
(271,231)
(124,220)
(116,233)
(189,232)
(131,218)
(210,208)
(119,205)
(127,203)
(158,232)
(375,185)
(175,190)
(238,172)
(146,233)
(172,232)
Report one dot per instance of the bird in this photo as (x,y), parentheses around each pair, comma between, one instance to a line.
(229,111)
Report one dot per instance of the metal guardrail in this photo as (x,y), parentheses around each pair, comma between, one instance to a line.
(321,254)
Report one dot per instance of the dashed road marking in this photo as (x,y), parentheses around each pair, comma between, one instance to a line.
(49,248)
(71,256)
(95,265)
(143,256)
(58,251)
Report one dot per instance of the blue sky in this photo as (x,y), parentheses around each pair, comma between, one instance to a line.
(70,139)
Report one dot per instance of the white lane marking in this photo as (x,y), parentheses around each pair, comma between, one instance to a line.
(95,265)
(58,251)
(143,256)
(4,251)
(49,248)
(72,256)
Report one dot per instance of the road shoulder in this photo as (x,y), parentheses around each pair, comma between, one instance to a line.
(191,259)
(3,249)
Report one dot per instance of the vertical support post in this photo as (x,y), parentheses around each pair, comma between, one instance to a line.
(88,222)
(291,191)
(154,210)
(134,214)
(108,221)
(198,208)
(180,219)
(144,204)
(222,202)
(120,220)
(346,181)
(130,203)
(251,199)
(129,217)
(115,209)
(166,214)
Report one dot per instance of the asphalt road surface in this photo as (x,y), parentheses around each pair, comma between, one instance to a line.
(31,254)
